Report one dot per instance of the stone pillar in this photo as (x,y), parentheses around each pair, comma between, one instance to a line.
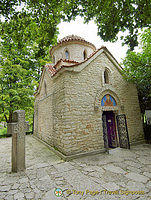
(9,128)
(18,141)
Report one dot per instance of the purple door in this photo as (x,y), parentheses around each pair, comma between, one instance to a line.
(111,129)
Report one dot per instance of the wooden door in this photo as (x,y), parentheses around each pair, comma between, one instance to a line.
(111,129)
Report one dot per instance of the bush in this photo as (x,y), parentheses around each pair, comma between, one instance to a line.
(3,131)
(147,132)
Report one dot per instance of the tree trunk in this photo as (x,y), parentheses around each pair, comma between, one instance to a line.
(10,117)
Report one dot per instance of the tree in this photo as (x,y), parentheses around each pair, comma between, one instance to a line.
(110,16)
(31,29)
(7,7)
(17,81)
(20,63)
(137,69)
(113,17)
(26,35)
(16,89)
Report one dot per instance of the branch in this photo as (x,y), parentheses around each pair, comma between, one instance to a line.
(5,115)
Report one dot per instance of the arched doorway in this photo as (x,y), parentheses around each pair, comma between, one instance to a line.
(108,118)
(114,123)
(109,121)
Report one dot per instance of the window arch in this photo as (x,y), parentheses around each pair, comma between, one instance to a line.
(67,54)
(106,76)
(84,54)
(45,87)
(54,59)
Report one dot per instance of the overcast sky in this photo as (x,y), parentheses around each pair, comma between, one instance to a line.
(89,33)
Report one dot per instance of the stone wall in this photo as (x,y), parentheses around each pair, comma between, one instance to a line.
(45,120)
(128,96)
(83,130)
(46,86)
(49,111)
(58,111)
(66,118)
(43,110)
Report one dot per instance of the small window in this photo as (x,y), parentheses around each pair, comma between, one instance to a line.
(45,86)
(84,55)
(53,59)
(106,77)
(67,55)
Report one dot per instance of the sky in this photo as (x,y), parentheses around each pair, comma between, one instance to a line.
(89,33)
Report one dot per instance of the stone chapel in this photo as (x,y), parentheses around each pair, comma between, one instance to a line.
(83,105)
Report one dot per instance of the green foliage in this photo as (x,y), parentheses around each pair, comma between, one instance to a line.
(3,131)
(110,16)
(137,69)
(20,62)
(7,7)
(16,85)
(113,16)
(26,35)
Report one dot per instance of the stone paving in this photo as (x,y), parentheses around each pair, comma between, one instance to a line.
(121,174)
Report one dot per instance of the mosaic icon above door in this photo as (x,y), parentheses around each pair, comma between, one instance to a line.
(108,100)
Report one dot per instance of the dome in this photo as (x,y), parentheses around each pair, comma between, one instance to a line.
(74,38)
(72,47)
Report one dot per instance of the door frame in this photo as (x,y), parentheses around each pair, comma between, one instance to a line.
(115,131)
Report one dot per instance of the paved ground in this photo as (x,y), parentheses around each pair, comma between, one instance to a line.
(105,177)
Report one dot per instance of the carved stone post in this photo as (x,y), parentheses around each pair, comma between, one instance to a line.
(18,141)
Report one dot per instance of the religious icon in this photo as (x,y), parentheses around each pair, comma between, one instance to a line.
(108,101)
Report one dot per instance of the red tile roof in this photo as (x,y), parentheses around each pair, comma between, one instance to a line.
(53,68)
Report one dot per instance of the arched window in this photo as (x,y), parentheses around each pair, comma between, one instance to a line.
(45,87)
(106,77)
(84,54)
(67,54)
(53,59)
